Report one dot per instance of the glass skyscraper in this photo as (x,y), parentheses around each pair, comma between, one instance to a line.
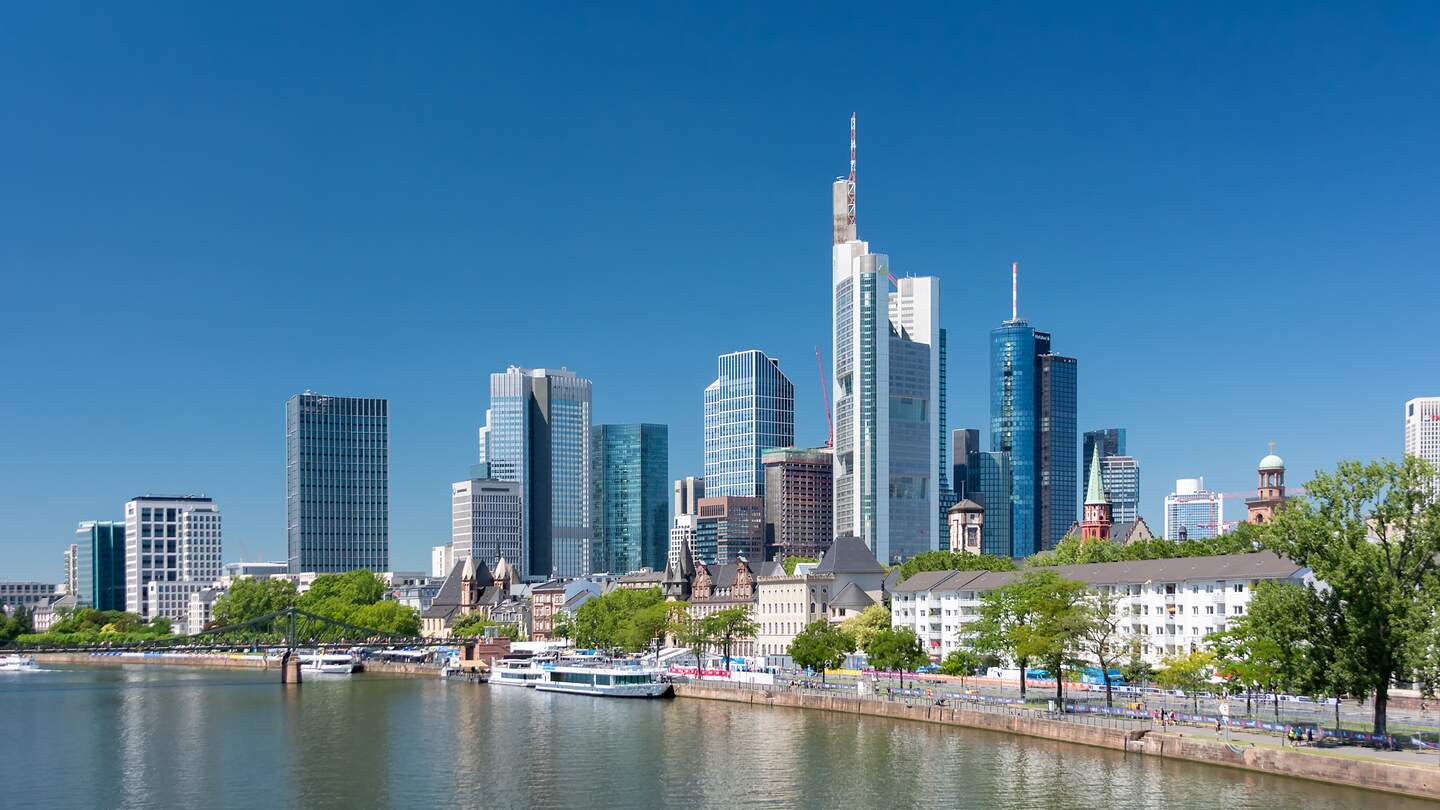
(100,564)
(630,475)
(1032,419)
(1111,441)
(337,483)
(750,408)
(1119,473)
(988,482)
(537,433)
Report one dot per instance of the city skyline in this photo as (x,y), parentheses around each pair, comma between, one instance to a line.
(1180,187)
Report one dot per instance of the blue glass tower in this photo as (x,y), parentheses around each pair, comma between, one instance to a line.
(100,565)
(988,482)
(1032,420)
(750,408)
(630,475)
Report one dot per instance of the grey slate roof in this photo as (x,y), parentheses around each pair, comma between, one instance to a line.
(851,596)
(447,599)
(849,555)
(929,580)
(1256,565)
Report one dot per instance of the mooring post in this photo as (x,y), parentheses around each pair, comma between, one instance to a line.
(289,667)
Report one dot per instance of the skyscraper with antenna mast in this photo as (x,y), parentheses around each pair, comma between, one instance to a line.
(1032,421)
(887,354)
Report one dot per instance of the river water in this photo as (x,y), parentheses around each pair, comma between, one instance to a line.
(157,736)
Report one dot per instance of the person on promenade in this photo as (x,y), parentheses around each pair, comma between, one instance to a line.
(1310,736)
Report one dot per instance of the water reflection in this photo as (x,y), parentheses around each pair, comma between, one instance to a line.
(140,737)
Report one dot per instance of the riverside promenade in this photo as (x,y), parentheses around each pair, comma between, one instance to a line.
(1400,772)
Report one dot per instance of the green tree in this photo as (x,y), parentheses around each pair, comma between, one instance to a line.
(358,587)
(1371,533)
(1058,617)
(790,562)
(821,646)
(474,625)
(1270,647)
(690,633)
(1006,612)
(248,599)
(953,561)
(1071,550)
(563,625)
(1101,636)
(871,620)
(1136,670)
(1189,672)
(619,620)
(896,649)
(725,627)
(960,663)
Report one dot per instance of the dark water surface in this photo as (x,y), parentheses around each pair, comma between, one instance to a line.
(149,736)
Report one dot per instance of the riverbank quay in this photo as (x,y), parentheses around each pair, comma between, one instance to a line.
(231,660)
(1372,770)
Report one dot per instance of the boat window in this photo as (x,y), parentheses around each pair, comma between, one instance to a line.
(602,680)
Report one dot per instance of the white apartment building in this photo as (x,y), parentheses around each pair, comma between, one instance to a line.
(1422,431)
(169,540)
(199,612)
(1166,606)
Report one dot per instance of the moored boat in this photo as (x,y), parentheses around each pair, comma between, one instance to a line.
(17,663)
(330,663)
(514,672)
(601,680)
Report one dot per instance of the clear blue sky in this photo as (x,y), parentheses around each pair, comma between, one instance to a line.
(1229,215)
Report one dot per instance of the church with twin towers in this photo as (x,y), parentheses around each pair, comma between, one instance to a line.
(888,355)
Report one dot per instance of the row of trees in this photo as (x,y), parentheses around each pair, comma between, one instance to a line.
(635,620)
(21,621)
(355,597)
(90,626)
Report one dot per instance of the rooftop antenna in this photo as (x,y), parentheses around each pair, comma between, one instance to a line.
(1015,291)
(850,201)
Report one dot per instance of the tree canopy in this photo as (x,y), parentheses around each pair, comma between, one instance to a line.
(821,646)
(87,625)
(953,561)
(248,599)
(871,620)
(1189,672)
(725,627)
(896,649)
(1071,550)
(1371,533)
(627,619)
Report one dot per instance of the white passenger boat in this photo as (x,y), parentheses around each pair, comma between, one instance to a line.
(330,663)
(17,663)
(514,672)
(601,680)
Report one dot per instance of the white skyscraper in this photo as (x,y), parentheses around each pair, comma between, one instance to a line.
(887,354)
(485,519)
(172,548)
(1193,511)
(1422,431)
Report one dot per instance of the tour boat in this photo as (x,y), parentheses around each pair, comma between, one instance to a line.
(330,663)
(514,672)
(601,680)
(17,663)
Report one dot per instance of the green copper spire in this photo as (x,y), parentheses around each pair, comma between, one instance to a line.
(1095,493)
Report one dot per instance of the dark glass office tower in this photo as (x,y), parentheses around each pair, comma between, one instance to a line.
(964,442)
(337,483)
(1058,498)
(989,483)
(1032,420)
(630,477)
(1111,442)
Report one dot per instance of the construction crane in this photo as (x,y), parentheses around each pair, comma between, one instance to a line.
(825,392)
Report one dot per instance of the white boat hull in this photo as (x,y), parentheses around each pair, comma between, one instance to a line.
(639,690)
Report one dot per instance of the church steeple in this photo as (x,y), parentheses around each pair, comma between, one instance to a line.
(1096,525)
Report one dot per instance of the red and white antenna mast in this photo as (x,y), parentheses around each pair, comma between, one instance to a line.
(850,202)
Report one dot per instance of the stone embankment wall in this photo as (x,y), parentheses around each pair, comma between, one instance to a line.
(1031,726)
(1363,773)
(231,661)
